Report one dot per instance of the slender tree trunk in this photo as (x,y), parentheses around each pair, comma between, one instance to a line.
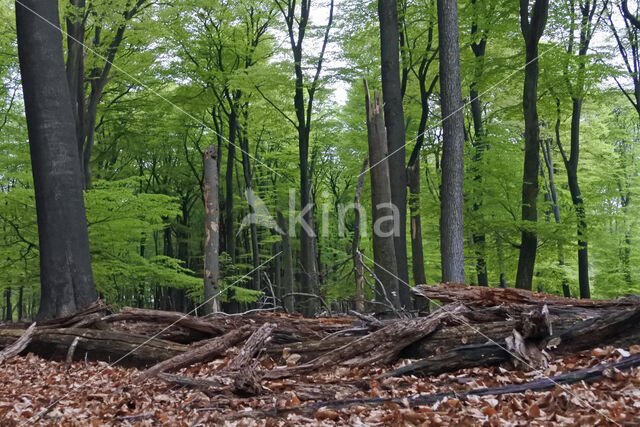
(555,205)
(480,145)
(8,316)
(394,123)
(451,193)
(417,254)
(578,203)
(230,238)
(532,30)
(253,229)
(382,207)
(211,245)
(20,302)
(287,263)
(65,264)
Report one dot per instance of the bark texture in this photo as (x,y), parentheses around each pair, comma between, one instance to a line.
(65,264)
(451,193)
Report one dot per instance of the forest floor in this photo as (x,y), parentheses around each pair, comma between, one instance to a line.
(42,392)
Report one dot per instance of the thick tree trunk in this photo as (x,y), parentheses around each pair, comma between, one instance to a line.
(532,30)
(394,123)
(65,263)
(451,193)
(211,245)
(382,207)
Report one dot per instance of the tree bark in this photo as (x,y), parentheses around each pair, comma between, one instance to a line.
(480,144)
(417,254)
(532,29)
(211,245)
(451,193)
(65,263)
(394,122)
(287,277)
(382,213)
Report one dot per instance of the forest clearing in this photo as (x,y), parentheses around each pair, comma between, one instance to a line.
(332,212)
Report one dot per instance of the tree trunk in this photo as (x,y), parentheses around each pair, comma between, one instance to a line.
(394,123)
(480,145)
(8,314)
(248,180)
(417,254)
(65,263)
(287,277)
(20,303)
(451,194)
(211,245)
(230,239)
(553,195)
(532,30)
(382,206)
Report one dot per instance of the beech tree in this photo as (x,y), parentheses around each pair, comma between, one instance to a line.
(65,265)
(394,123)
(451,193)
(532,25)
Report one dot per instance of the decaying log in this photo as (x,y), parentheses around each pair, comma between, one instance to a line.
(485,296)
(587,375)
(72,319)
(110,346)
(619,328)
(251,348)
(20,344)
(381,346)
(168,317)
(203,352)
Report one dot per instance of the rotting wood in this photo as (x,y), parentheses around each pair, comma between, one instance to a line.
(484,296)
(20,344)
(126,349)
(203,352)
(169,317)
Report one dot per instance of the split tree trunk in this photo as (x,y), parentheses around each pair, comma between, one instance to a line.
(65,264)
(211,245)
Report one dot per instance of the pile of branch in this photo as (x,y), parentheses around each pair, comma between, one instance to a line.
(478,327)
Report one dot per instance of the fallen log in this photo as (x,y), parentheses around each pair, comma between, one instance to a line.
(126,349)
(20,344)
(485,296)
(168,317)
(74,318)
(587,375)
(203,352)
(381,346)
(617,328)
